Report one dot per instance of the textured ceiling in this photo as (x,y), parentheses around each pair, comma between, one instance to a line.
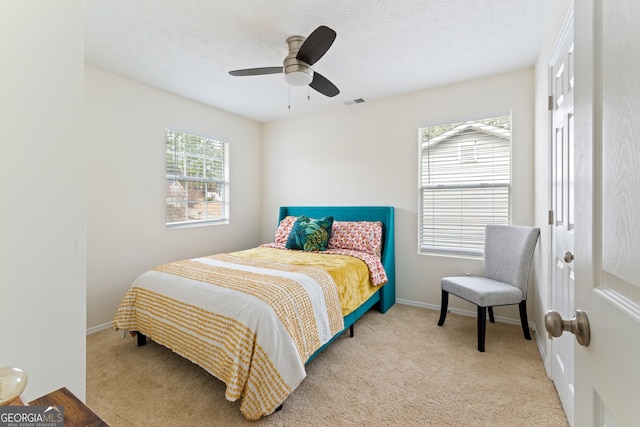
(383,48)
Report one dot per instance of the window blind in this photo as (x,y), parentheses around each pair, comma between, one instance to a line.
(197,179)
(465,184)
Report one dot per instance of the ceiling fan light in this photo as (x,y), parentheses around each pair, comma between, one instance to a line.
(298,78)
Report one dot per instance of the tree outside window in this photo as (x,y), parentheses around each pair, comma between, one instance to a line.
(197,174)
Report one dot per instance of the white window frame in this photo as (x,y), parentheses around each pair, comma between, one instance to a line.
(458,195)
(197,179)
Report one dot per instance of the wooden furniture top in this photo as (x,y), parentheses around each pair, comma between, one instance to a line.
(76,413)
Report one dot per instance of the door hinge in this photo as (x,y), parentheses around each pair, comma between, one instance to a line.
(550,103)
(551,217)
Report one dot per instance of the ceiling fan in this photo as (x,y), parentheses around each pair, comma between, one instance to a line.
(297,66)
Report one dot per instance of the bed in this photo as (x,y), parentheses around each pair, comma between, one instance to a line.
(254,318)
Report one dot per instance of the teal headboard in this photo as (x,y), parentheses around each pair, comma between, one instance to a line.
(383,214)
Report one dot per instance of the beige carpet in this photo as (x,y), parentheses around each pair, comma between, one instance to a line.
(399,369)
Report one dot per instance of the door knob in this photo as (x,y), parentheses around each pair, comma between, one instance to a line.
(579,326)
(567,256)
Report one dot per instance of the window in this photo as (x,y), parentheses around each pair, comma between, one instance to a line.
(465,183)
(197,188)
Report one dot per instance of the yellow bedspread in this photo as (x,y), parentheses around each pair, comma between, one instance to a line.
(246,319)
(350,274)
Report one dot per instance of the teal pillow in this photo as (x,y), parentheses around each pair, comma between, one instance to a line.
(310,234)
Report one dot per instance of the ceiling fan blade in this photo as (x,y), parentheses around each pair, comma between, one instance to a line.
(316,45)
(323,85)
(256,71)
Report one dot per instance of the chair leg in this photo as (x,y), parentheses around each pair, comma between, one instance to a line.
(443,307)
(482,324)
(524,320)
(491,319)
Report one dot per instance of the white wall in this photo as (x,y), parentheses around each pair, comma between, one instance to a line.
(43,243)
(542,279)
(367,154)
(126,124)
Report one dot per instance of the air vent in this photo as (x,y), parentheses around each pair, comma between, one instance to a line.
(355,101)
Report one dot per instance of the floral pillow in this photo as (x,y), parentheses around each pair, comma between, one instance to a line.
(284,229)
(310,234)
(364,236)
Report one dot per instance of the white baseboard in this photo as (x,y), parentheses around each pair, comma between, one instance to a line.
(99,328)
(543,352)
(468,313)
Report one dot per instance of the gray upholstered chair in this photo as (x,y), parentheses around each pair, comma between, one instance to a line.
(508,253)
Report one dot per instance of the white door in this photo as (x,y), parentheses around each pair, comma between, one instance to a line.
(607,238)
(562,215)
